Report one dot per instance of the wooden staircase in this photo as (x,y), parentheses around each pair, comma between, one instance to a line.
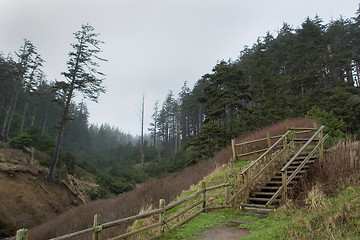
(267,180)
(258,199)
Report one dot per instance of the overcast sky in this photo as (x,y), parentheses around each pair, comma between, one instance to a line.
(152,46)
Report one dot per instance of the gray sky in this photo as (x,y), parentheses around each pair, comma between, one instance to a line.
(152,46)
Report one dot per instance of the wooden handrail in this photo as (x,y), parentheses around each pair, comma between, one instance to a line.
(253,178)
(267,151)
(257,140)
(302,149)
(288,179)
(285,179)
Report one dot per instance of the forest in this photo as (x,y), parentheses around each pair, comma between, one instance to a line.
(313,71)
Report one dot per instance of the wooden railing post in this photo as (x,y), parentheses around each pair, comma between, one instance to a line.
(97,223)
(268,139)
(284,186)
(286,151)
(246,191)
(321,147)
(227,189)
(287,123)
(234,151)
(22,234)
(162,215)
(203,186)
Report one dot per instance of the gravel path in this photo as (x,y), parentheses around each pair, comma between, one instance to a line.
(223,233)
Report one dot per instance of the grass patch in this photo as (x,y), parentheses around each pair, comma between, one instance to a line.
(194,228)
(333,218)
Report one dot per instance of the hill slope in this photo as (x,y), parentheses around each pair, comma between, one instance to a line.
(26,198)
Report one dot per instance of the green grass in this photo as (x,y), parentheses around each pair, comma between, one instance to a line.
(204,221)
(337,218)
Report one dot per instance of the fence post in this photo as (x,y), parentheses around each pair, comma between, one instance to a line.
(22,234)
(321,148)
(162,215)
(246,192)
(203,186)
(233,150)
(284,185)
(285,147)
(227,189)
(268,139)
(97,224)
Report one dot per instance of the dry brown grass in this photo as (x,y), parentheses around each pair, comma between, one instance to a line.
(341,167)
(274,130)
(146,194)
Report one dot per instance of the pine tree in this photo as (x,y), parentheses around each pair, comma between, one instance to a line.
(82,76)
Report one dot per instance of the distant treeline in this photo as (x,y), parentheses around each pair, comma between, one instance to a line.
(316,66)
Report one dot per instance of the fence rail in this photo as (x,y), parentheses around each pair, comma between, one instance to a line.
(269,139)
(22,234)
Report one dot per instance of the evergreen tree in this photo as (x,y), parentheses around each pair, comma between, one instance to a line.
(24,77)
(81,76)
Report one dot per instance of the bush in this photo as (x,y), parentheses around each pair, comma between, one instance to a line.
(20,141)
(32,137)
(333,126)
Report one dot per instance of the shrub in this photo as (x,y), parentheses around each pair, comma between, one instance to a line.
(32,137)
(20,141)
(333,126)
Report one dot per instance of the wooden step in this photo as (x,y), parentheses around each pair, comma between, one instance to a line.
(293,168)
(301,172)
(255,199)
(274,182)
(264,193)
(298,162)
(273,187)
(257,206)
(277,178)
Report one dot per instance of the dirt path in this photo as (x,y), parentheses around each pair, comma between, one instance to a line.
(223,233)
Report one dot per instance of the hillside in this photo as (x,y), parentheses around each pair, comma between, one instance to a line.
(327,207)
(26,197)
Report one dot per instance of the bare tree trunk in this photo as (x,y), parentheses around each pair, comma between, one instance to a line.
(51,176)
(3,129)
(23,118)
(11,115)
(33,118)
(44,123)
(142,133)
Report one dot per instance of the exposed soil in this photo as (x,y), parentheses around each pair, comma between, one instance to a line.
(223,233)
(26,198)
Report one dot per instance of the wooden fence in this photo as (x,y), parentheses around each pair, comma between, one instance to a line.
(275,153)
(249,148)
(256,146)
(162,224)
